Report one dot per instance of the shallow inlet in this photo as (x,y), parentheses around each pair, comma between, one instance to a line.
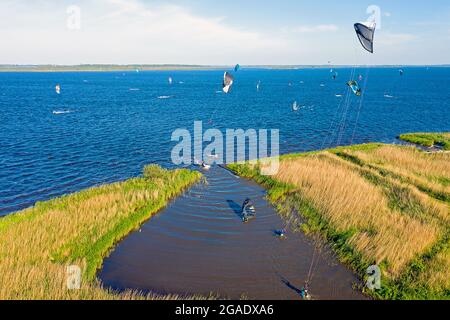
(199,245)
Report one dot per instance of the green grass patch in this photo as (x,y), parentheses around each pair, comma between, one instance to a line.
(439,195)
(80,229)
(428,139)
(361,147)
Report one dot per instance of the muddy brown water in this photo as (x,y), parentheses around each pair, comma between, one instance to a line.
(199,245)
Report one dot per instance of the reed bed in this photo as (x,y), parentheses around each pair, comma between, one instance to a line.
(430,178)
(347,201)
(431,169)
(437,272)
(370,203)
(38,244)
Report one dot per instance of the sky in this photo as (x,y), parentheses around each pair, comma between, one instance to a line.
(211,32)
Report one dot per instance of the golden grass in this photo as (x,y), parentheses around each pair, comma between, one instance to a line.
(428,172)
(348,201)
(438,273)
(402,195)
(375,203)
(408,160)
(37,244)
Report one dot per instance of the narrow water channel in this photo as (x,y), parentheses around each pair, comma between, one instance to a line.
(199,245)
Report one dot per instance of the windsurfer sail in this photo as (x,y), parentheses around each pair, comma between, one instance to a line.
(228,80)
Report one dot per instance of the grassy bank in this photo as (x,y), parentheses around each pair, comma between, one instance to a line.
(37,244)
(441,140)
(375,204)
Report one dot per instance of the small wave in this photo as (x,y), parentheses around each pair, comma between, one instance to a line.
(306,107)
(339,96)
(135,89)
(62,112)
(164,97)
(388,96)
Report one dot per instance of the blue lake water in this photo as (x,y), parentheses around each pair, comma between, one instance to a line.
(102,129)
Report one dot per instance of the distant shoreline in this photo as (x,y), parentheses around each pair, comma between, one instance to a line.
(134,68)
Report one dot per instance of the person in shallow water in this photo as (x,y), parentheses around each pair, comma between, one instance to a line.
(248,210)
(304,293)
(205,166)
(281,233)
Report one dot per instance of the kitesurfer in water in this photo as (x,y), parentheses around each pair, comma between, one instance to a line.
(304,293)
(248,210)
(355,87)
(281,233)
(205,166)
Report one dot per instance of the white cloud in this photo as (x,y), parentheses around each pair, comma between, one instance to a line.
(387,14)
(312,29)
(119,31)
(138,31)
(389,39)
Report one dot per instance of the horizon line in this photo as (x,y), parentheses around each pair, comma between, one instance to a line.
(184,67)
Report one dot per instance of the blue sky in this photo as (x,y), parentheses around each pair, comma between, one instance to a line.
(220,32)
